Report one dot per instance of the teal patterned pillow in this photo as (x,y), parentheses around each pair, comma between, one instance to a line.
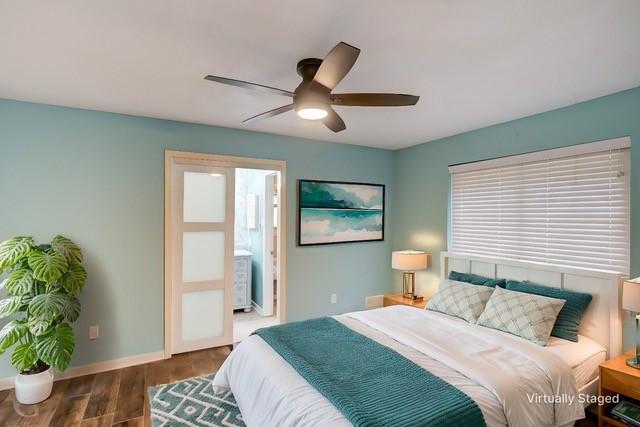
(460,299)
(526,315)
(476,280)
(568,322)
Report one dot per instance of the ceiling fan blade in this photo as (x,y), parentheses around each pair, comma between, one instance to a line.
(336,65)
(333,121)
(269,113)
(249,85)
(374,99)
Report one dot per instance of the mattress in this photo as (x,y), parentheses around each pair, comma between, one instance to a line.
(270,392)
(584,357)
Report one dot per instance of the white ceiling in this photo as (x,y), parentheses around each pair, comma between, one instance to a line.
(474,63)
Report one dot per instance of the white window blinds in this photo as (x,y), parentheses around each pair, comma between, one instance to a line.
(567,206)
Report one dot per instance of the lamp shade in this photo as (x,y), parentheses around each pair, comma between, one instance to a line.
(408,260)
(631,296)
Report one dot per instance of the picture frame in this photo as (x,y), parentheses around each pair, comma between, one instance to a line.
(337,212)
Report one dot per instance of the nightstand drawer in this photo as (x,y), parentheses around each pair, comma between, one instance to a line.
(620,382)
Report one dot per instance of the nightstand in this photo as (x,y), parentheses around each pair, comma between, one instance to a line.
(398,299)
(618,378)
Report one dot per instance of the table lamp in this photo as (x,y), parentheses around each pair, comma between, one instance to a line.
(631,302)
(409,262)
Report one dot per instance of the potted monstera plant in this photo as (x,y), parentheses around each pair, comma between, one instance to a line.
(42,285)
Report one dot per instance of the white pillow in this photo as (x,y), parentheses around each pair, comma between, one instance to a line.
(460,299)
(526,315)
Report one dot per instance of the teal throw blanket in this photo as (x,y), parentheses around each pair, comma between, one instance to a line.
(369,383)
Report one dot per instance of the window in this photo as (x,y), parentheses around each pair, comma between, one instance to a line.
(567,206)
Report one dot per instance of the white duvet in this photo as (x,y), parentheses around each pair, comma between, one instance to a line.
(512,381)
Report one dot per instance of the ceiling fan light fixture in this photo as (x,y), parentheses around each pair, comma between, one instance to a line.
(312,113)
(313,98)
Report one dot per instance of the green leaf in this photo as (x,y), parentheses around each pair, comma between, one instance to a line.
(19,282)
(38,326)
(71,309)
(55,347)
(24,357)
(73,280)
(14,249)
(11,333)
(67,247)
(47,306)
(48,266)
(10,305)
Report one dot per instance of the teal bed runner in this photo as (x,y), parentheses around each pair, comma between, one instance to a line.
(369,383)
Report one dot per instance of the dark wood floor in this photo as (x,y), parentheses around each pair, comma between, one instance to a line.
(115,398)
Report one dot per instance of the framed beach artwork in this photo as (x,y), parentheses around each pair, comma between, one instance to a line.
(331,212)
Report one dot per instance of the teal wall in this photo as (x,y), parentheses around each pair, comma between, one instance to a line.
(422,178)
(98,179)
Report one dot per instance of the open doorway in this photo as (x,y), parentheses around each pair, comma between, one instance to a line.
(257,194)
(202,271)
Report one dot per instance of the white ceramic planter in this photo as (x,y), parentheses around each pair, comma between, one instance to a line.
(34,388)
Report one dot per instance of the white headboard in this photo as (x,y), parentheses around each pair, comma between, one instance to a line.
(603,320)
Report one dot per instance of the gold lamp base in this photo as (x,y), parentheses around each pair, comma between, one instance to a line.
(634,361)
(409,285)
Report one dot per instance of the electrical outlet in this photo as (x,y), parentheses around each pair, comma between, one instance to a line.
(94,332)
(334,298)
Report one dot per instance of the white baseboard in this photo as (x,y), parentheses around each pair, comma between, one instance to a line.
(94,368)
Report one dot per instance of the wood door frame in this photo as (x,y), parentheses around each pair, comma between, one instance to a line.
(172,157)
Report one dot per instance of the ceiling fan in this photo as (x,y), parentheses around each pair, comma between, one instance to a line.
(312,99)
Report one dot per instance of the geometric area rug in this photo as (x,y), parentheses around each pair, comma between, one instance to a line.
(192,402)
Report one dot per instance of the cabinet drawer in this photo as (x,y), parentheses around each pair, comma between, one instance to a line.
(240,286)
(240,265)
(239,300)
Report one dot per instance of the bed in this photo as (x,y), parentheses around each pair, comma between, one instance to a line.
(504,375)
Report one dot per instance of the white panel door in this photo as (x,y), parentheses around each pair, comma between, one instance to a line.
(202,282)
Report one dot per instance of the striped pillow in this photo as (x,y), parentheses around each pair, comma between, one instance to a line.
(476,279)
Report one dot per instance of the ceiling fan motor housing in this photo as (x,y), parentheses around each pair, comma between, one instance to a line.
(308,67)
(309,95)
